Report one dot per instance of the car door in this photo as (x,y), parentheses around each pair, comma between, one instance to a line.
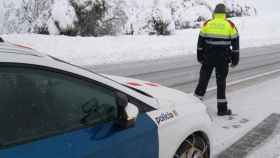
(42,113)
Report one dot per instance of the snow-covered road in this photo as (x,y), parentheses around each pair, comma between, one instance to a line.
(182,72)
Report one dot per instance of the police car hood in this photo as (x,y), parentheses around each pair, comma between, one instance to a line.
(166,97)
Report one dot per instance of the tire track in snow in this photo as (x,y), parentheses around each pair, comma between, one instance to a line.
(253,138)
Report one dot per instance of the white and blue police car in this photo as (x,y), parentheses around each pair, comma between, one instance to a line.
(53,109)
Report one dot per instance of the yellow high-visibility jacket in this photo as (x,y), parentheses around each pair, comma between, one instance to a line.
(219,32)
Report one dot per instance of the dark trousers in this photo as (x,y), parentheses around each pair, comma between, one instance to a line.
(221,70)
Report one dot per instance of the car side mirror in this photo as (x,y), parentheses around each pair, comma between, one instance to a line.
(127,112)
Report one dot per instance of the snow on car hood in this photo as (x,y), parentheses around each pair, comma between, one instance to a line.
(166,97)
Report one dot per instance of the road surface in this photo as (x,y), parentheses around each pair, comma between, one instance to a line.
(182,72)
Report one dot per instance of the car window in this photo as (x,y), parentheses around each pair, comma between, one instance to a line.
(37,102)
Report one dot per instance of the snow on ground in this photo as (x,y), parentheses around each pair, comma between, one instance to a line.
(254,31)
(267,7)
(105,50)
(263,100)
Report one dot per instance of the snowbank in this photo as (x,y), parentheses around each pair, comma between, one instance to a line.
(254,31)
(258,31)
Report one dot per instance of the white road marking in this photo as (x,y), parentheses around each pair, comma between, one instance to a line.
(246,79)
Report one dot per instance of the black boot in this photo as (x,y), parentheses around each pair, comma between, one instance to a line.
(223,109)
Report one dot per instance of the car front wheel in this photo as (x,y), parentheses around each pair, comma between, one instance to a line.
(193,147)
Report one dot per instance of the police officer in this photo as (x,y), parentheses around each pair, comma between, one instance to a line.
(218,45)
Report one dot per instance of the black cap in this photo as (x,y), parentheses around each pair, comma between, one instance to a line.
(220,8)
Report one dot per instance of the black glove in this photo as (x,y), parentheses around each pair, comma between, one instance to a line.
(235,59)
(200,56)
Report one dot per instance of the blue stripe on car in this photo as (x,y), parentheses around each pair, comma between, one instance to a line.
(103,141)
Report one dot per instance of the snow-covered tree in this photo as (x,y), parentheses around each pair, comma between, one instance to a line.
(162,21)
(100,17)
(63,18)
(115,17)
(112,17)
(139,17)
(240,8)
(32,9)
(189,14)
(11,24)
(89,15)
(19,17)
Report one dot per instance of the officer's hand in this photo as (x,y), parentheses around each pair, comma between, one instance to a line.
(233,65)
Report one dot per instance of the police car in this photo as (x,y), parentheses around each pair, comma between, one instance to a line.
(53,109)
